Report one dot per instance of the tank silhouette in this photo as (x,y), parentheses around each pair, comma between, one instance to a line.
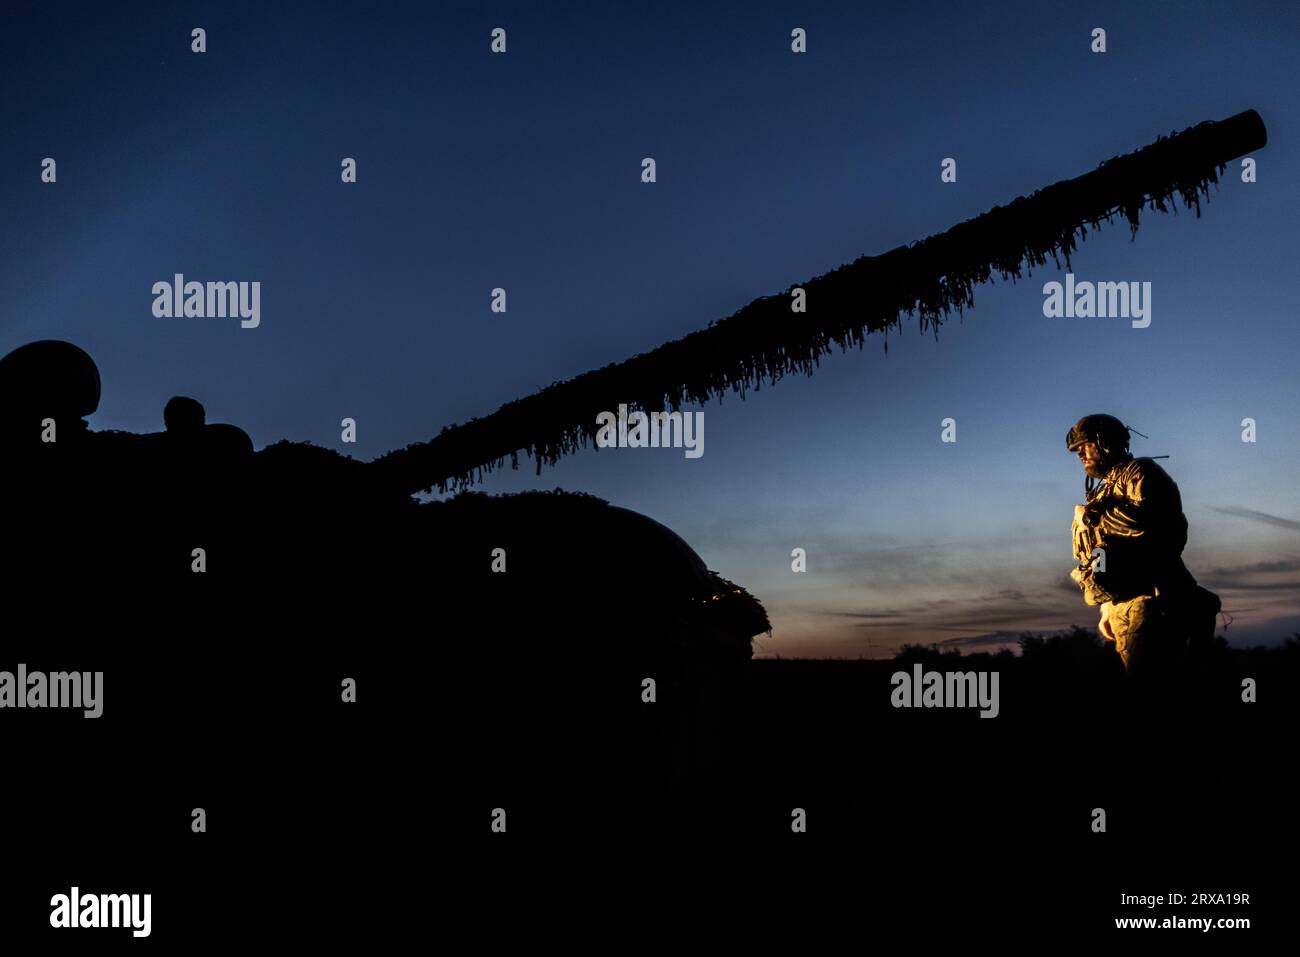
(548,605)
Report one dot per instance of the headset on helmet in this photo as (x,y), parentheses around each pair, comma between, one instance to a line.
(1108,432)
(1111,438)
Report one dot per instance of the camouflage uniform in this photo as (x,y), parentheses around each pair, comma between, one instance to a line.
(1150,603)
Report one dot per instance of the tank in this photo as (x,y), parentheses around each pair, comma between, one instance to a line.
(541,615)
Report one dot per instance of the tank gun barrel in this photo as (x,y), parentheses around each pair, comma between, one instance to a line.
(765,340)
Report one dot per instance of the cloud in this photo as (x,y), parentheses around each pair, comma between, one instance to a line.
(1292,585)
(868,615)
(1041,605)
(1254,581)
(1255,568)
(1265,518)
(992,639)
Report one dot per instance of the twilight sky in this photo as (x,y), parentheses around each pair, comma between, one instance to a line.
(523,171)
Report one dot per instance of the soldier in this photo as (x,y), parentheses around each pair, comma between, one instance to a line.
(1128,541)
(183,415)
(64,488)
(47,389)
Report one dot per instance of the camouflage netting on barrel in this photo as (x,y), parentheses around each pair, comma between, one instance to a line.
(765,341)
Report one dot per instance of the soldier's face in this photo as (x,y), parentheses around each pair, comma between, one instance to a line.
(1090,456)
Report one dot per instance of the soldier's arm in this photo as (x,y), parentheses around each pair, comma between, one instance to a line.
(1144,506)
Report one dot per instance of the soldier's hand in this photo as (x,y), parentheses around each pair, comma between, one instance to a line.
(1104,625)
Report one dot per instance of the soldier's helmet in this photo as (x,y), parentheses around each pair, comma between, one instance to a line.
(183,414)
(1108,432)
(48,378)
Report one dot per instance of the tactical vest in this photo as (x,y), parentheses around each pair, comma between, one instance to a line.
(1137,521)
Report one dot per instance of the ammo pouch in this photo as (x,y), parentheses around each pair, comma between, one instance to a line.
(1086,579)
(1191,614)
(1126,572)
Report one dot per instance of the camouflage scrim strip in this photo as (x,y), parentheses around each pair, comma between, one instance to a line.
(762,342)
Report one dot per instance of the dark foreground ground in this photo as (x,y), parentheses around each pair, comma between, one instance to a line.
(937,818)
(335,826)
(358,823)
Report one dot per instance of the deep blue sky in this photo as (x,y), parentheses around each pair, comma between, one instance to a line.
(523,171)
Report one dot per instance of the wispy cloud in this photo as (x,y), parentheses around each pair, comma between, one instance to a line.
(1254,515)
(1256,568)
(993,641)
